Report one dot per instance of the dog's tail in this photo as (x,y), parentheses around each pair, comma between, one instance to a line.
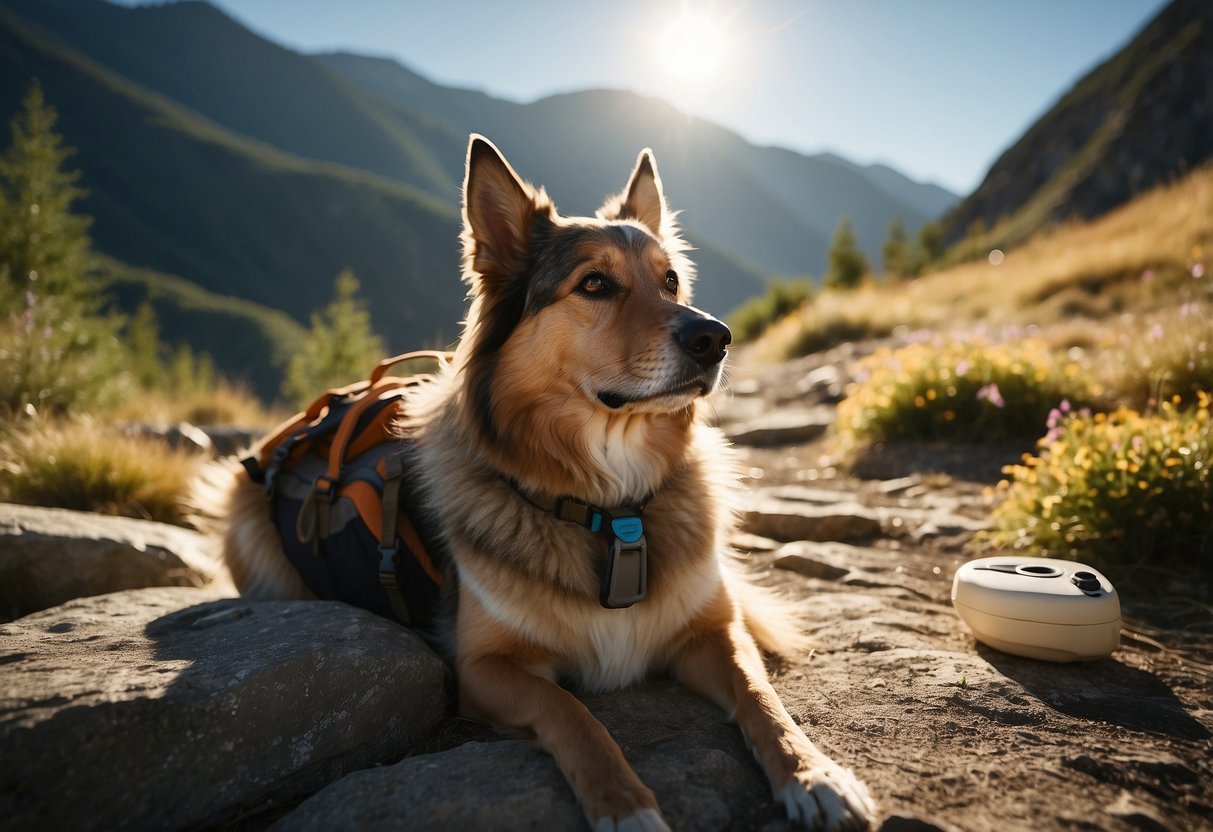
(230,506)
(773,620)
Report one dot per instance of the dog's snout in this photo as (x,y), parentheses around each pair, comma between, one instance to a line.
(704,339)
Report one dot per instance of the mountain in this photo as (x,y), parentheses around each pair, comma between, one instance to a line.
(175,193)
(225,172)
(776,208)
(1142,117)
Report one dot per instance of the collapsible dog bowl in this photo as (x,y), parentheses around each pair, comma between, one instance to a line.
(1043,608)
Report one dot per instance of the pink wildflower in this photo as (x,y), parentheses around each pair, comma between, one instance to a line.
(990,393)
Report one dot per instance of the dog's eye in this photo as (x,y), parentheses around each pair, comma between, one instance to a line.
(593,283)
(671,281)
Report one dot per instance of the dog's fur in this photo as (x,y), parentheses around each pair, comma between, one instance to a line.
(578,374)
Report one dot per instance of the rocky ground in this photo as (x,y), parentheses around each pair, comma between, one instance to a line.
(174,707)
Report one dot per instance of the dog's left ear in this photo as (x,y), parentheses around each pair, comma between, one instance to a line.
(642,200)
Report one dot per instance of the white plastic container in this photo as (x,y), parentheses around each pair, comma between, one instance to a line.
(1043,608)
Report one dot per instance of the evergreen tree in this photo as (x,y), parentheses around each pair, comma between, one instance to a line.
(928,247)
(895,253)
(341,347)
(846,263)
(56,350)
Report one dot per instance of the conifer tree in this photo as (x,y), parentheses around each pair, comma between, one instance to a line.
(56,350)
(846,263)
(895,253)
(928,247)
(341,347)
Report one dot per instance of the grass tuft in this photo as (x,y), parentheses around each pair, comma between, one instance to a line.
(84,466)
(962,390)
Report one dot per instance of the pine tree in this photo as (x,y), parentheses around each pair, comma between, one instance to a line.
(341,347)
(44,247)
(846,263)
(928,247)
(56,350)
(895,253)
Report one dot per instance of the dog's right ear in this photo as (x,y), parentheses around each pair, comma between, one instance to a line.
(498,212)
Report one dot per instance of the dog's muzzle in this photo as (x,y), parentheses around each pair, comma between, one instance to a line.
(703,338)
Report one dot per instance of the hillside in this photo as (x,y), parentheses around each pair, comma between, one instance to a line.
(1143,117)
(775,208)
(174,193)
(253,172)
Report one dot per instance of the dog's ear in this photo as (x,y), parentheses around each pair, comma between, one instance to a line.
(642,199)
(498,211)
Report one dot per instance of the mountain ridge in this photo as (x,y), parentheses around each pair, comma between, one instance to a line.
(253,171)
(1142,117)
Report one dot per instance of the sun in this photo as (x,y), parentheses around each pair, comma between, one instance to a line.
(693,46)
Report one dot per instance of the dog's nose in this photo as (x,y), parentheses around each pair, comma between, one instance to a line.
(704,339)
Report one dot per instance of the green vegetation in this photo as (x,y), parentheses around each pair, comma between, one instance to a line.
(341,349)
(895,253)
(1126,490)
(57,351)
(80,464)
(753,317)
(62,355)
(846,263)
(964,390)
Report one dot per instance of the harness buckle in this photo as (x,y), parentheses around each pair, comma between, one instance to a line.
(626,575)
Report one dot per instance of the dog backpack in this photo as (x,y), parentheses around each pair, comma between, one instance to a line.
(350,521)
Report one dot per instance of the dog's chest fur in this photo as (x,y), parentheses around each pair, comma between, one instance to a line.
(538,577)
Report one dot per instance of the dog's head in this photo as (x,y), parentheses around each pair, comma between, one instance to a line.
(579,326)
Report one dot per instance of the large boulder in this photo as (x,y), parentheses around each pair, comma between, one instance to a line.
(51,555)
(168,708)
(682,747)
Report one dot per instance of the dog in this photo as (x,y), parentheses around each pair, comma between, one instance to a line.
(584,507)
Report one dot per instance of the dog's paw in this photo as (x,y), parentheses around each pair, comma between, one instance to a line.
(829,798)
(646,820)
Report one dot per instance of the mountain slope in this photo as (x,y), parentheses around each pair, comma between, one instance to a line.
(194,54)
(775,207)
(1143,117)
(176,194)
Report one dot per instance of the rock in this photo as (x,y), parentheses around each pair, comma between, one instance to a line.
(863,567)
(682,747)
(783,427)
(166,708)
(809,566)
(212,440)
(787,520)
(51,555)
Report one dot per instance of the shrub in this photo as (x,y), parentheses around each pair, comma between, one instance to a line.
(1128,491)
(1163,356)
(960,390)
(752,318)
(81,465)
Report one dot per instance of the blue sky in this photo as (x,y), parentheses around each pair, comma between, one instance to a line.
(935,88)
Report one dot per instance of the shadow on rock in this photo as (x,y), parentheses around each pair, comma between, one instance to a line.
(1105,690)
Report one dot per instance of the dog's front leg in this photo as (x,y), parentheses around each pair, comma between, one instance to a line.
(723,664)
(500,688)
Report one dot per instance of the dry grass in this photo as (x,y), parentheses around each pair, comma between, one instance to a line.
(1140,258)
(224,403)
(83,465)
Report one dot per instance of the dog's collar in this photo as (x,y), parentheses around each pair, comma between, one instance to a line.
(625,577)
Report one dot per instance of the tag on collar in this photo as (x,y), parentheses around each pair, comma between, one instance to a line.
(625,578)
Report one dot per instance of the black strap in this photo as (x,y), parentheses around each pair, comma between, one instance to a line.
(388,543)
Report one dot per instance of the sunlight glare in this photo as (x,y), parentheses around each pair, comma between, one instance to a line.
(693,46)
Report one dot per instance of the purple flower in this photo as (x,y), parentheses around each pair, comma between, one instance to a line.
(1198,270)
(990,393)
